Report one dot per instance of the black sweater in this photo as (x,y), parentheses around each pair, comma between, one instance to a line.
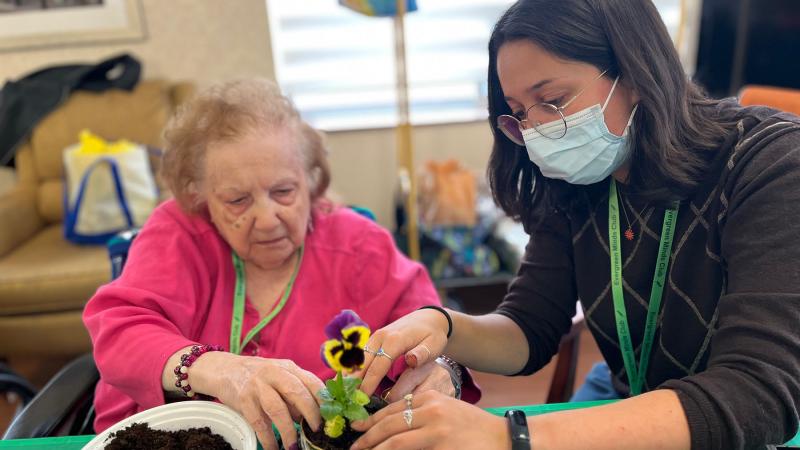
(728,337)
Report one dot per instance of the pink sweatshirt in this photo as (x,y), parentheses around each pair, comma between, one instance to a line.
(177,290)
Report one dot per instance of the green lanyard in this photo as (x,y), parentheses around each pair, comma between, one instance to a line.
(239,299)
(636,377)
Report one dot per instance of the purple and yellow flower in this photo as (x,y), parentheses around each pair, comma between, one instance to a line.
(347,336)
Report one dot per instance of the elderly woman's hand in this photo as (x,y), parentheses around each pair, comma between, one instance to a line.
(264,391)
(431,376)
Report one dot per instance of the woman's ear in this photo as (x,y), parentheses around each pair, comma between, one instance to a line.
(314,175)
(630,89)
(196,198)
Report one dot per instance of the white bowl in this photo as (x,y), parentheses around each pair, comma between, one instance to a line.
(188,414)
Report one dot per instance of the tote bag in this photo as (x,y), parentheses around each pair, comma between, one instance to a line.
(109,187)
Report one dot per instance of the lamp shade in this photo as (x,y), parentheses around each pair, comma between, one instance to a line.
(377,8)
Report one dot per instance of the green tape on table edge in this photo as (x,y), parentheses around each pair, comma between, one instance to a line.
(535,410)
(62,442)
(77,442)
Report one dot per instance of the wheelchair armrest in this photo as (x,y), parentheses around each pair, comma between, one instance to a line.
(118,247)
(48,410)
(10,381)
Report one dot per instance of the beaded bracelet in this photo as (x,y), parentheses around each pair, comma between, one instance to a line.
(182,369)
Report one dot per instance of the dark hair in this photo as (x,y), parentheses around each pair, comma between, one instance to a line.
(673,135)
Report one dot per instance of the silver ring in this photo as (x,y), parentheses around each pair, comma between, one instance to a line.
(408,414)
(367,350)
(383,353)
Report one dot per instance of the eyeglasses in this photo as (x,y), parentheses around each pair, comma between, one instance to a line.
(546,118)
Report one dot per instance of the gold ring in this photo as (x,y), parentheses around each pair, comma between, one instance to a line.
(427,350)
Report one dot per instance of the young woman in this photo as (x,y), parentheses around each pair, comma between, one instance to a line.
(671,216)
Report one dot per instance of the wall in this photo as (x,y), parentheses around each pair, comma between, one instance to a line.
(364,162)
(209,40)
(200,40)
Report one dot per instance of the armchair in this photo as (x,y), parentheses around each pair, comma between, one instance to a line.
(44,279)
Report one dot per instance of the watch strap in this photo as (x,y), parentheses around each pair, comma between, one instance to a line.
(518,430)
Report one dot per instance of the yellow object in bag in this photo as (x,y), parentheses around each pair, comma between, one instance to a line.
(91,143)
(109,187)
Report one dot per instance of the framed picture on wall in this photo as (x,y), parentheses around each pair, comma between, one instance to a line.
(28,24)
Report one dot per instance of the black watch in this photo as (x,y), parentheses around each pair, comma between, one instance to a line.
(518,428)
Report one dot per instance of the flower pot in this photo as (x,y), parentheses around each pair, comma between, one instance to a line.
(305,442)
(221,419)
(310,440)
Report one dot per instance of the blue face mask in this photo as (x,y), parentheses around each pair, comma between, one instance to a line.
(587,153)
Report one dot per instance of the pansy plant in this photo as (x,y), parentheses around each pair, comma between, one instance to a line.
(343,352)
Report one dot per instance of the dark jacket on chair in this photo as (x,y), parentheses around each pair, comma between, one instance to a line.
(25,102)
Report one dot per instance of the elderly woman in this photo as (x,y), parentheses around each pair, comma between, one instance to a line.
(243,270)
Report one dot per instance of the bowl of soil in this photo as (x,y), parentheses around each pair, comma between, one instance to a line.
(318,440)
(187,424)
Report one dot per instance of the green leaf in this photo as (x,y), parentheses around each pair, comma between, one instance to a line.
(361,398)
(354,411)
(334,427)
(350,385)
(335,387)
(325,395)
(330,410)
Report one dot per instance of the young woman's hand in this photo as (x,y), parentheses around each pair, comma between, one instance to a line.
(264,391)
(419,337)
(437,422)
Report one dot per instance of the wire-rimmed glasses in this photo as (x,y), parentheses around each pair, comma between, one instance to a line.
(546,118)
